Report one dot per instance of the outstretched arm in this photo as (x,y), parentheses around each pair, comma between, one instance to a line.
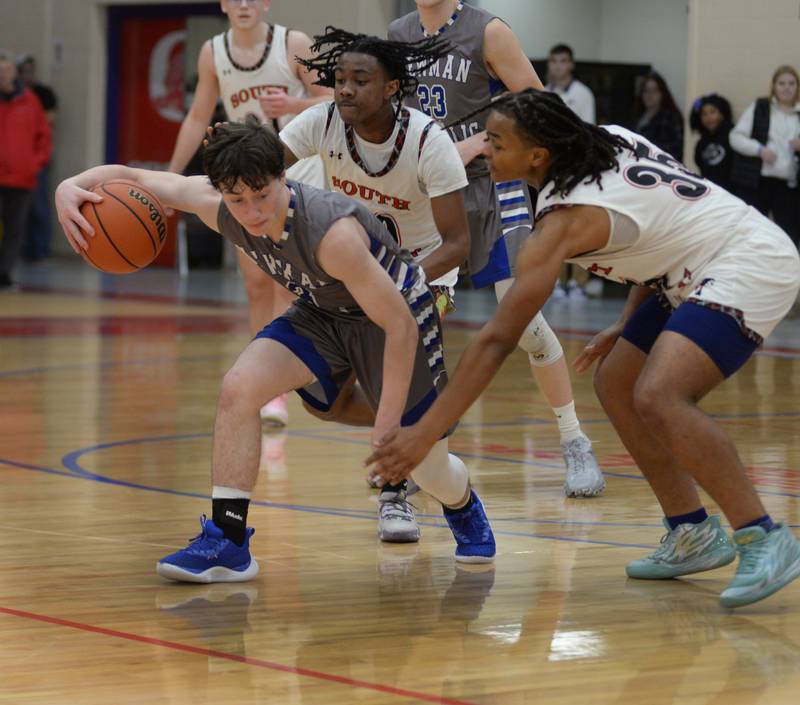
(191,194)
(560,235)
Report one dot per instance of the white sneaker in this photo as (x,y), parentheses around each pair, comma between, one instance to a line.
(396,520)
(584,478)
(275,413)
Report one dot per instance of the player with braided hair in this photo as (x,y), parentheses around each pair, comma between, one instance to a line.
(401,165)
(581,151)
(401,60)
(486,58)
(711,278)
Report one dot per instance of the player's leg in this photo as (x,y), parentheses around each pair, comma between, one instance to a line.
(549,369)
(694,541)
(14,207)
(441,474)
(445,477)
(221,553)
(351,407)
(698,349)
(266,300)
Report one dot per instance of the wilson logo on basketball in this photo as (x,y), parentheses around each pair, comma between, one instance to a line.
(155,214)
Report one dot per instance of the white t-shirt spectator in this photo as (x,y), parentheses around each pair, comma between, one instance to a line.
(579,97)
(783,127)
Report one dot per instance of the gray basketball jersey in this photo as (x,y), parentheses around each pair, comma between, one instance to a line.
(292,263)
(459,82)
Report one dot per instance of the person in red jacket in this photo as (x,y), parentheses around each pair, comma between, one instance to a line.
(25,145)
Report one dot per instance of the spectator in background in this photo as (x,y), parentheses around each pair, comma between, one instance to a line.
(573,282)
(711,117)
(25,143)
(561,80)
(656,116)
(37,240)
(768,137)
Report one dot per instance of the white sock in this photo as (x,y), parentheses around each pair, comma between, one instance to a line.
(221,492)
(568,424)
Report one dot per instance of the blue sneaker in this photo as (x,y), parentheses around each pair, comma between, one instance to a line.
(472,532)
(210,558)
(767,562)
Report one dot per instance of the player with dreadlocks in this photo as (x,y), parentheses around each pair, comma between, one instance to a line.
(711,278)
(401,165)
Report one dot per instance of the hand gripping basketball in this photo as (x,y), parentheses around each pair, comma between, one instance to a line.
(129,225)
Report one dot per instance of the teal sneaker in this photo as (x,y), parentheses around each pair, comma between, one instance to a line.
(688,548)
(767,562)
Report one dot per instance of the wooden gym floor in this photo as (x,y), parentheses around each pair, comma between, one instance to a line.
(107,395)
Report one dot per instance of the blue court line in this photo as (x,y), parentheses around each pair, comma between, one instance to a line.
(70,460)
(79,473)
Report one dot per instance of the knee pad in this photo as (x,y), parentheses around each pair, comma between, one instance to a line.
(541,344)
(442,475)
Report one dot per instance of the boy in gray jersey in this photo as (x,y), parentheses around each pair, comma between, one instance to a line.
(486,58)
(363,308)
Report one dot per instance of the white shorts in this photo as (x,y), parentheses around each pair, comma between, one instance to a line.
(755,278)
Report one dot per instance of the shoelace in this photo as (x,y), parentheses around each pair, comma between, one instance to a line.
(666,546)
(203,543)
(577,466)
(397,508)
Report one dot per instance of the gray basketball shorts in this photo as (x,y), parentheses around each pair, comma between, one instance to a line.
(500,220)
(334,347)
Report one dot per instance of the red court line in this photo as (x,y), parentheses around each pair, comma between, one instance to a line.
(44,326)
(160,298)
(258,663)
(132,296)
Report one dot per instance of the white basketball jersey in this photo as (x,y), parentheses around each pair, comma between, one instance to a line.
(241,87)
(395,179)
(683,220)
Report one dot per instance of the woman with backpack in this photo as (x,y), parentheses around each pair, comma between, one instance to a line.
(767,140)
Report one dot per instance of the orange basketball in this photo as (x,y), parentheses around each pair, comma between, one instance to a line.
(129,227)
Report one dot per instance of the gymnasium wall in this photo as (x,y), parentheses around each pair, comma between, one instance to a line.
(728,46)
(540,24)
(735,45)
(625,31)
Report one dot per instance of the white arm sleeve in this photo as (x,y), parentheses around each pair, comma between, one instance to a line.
(740,135)
(440,167)
(304,134)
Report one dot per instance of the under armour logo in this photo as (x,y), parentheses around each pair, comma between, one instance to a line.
(333,154)
(227,72)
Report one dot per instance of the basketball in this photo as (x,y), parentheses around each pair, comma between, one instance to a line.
(129,227)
